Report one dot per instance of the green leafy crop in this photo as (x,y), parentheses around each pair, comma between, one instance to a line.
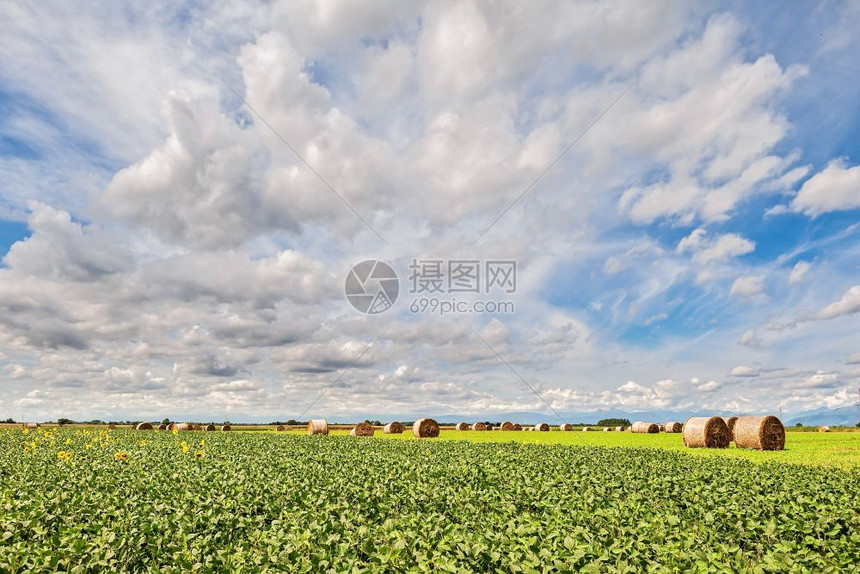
(86,500)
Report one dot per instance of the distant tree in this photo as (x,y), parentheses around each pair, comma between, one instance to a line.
(613,423)
(375,423)
(11,421)
(293,422)
(858,424)
(64,421)
(165,421)
(799,425)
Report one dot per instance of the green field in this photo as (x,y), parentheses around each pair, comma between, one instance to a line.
(839,449)
(90,500)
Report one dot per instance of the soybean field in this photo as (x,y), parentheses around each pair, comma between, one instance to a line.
(98,500)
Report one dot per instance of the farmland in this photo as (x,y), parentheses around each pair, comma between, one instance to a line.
(124,500)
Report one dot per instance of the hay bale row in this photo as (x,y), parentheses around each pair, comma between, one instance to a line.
(644,428)
(393,427)
(706,432)
(672,427)
(425,428)
(542,427)
(317,426)
(760,433)
(362,429)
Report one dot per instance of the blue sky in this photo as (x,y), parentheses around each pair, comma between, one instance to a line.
(164,253)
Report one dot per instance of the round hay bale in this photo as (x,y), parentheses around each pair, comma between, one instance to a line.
(111,427)
(730,422)
(211,427)
(143,426)
(644,428)
(607,429)
(362,429)
(672,427)
(824,429)
(565,427)
(393,427)
(183,426)
(586,429)
(542,427)
(518,426)
(425,428)
(226,428)
(162,427)
(760,433)
(706,432)
(620,429)
(479,426)
(281,428)
(662,428)
(507,426)
(462,426)
(317,426)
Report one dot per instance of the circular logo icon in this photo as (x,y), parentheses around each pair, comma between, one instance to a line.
(372,286)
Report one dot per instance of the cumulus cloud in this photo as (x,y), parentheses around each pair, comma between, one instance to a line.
(847,305)
(181,259)
(798,272)
(742,371)
(835,188)
(720,105)
(751,339)
(716,249)
(748,286)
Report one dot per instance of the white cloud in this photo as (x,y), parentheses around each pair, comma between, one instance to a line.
(835,188)
(183,260)
(715,249)
(714,128)
(849,304)
(742,371)
(748,286)
(751,339)
(798,272)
